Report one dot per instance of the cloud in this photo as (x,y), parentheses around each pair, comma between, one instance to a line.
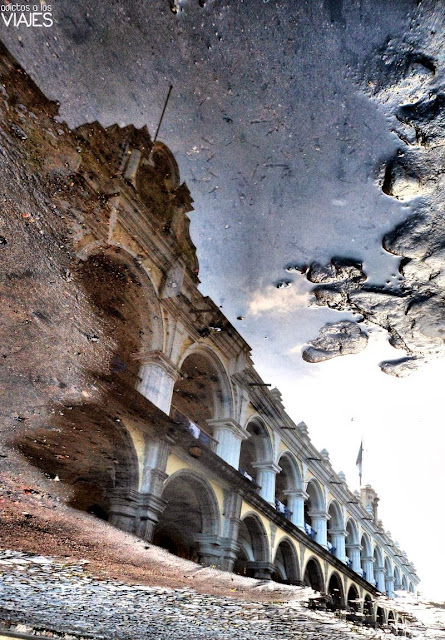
(270,299)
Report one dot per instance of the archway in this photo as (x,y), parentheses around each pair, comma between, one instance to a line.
(397,579)
(286,563)
(404,583)
(255,449)
(352,545)
(189,524)
(287,480)
(313,505)
(335,530)
(313,575)
(353,598)
(253,546)
(128,314)
(379,570)
(202,393)
(335,590)
(380,616)
(389,578)
(391,618)
(365,555)
(94,455)
(368,608)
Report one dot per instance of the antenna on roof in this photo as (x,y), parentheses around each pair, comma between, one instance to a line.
(163,111)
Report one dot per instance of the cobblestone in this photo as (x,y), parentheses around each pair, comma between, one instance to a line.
(43,594)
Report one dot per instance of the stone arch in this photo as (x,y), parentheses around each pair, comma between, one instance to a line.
(257,448)
(313,574)
(335,590)
(352,535)
(203,392)
(388,567)
(314,504)
(253,544)
(368,608)
(315,492)
(286,563)
(94,455)
(336,528)
(352,545)
(411,588)
(353,599)
(288,480)
(378,557)
(379,569)
(291,471)
(391,617)
(190,522)
(405,585)
(397,578)
(365,551)
(126,303)
(380,616)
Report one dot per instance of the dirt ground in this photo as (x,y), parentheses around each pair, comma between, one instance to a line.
(35,519)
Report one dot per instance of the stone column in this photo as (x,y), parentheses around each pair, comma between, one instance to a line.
(389,583)
(209,550)
(266,479)
(261,570)
(295,503)
(151,504)
(122,508)
(230,528)
(379,573)
(397,585)
(158,376)
(229,435)
(368,567)
(353,551)
(338,541)
(319,522)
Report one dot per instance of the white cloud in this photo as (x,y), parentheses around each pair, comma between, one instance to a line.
(271,299)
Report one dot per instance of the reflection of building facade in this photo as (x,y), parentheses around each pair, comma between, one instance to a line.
(204,460)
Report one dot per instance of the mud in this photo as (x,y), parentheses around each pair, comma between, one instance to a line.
(407,82)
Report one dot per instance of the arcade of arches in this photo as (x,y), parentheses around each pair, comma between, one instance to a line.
(189,448)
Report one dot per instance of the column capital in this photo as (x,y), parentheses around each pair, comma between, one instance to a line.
(296,493)
(229,424)
(322,515)
(267,466)
(354,547)
(368,559)
(338,532)
(160,359)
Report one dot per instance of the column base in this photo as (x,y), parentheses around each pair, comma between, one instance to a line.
(261,570)
(122,509)
(149,509)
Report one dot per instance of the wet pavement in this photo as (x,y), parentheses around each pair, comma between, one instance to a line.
(40,595)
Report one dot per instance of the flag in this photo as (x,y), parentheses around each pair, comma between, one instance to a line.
(359,462)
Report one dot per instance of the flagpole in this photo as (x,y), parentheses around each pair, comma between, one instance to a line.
(359,462)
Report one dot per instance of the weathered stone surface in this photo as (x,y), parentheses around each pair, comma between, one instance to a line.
(336,339)
(409,84)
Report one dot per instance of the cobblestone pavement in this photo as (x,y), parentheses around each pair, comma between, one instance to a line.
(47,594)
